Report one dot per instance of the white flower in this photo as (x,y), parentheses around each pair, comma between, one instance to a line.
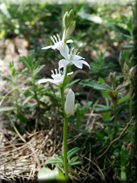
(70,103)
(73,58)
(57,78)
(59,44)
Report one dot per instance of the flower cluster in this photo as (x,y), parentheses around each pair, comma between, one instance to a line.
(70,57)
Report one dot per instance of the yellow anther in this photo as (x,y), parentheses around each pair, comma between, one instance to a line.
(52,38)
(58,36)
(55,38)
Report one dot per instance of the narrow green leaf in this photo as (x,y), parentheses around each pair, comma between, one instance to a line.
(95,84)
(61,156)
(75,163)
(3,109)
(26,100)
(123,99)
(54,160)
(124,106)
(75,158)
(38,69)
(72,83)
(72,152)
(25,61)
(106,115)
(87,106)
(128,46)
(37,63)
(122,86)
(105,94)
(31,58)
(102,108)
(2,75)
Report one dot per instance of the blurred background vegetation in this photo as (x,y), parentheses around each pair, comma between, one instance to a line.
(103,29)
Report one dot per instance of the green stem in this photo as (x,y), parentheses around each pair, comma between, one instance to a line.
(115,121)
(65,129)
(130,103)
(64,133)
(36,98)
(65,146)
(62,98)
(65,75)
(34,88)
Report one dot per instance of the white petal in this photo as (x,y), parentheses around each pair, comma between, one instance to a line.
(64,51)
(58,82)
(63,37)
(69,41)
(70,103)
(77,57)
(85,63)
(44,81)
(63,63)
(70,73)
(78,64)
(47,47)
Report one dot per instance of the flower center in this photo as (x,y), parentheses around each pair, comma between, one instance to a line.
(56,75)
(73,52)
(57,41)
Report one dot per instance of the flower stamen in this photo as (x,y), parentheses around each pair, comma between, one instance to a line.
(58,37)
(55,39)
(52,39)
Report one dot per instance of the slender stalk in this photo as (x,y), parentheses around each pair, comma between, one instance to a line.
(115,121)
(65,75)
(64,133)
(65,146)
(65,129)
(34,88)
(36,97)
(130,102)
(62,98)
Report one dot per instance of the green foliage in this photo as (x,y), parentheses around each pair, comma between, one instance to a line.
(59,160)
(15,76)
(95,84)
(80,112)
(29,92)
(34,69)
(99,67)
(98,28)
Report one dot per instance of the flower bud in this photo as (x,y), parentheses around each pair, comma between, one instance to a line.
(70,29)
(113,95)
(70,103)
(66,20)
(126,72)
(112,77)
(126,69)
(71,16)
(120,59)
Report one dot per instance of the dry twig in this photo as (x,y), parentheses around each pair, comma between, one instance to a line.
(115,140)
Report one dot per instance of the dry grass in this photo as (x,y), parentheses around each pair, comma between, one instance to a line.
(24,158)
